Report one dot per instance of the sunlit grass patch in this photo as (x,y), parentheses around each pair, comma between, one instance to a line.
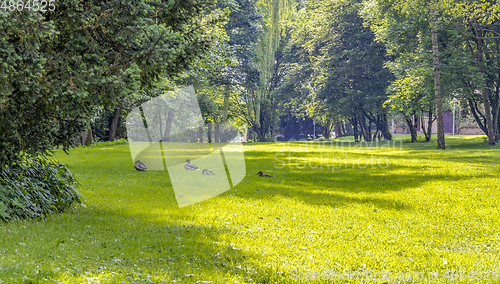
(341,207)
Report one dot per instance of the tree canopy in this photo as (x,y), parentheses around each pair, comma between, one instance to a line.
(58,66)
(252,62)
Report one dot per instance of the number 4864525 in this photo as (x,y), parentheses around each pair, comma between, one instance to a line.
(30,5)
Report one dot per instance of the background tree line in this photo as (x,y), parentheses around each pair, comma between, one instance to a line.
(350,66)
(347,65)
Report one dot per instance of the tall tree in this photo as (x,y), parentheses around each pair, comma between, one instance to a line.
(259,104)
(399,23)
(477,24)
(410,19)
(58,66)
(349,79)
(229,68)
(437,78)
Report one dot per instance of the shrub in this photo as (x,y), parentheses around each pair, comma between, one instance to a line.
(35,189)
(106,143)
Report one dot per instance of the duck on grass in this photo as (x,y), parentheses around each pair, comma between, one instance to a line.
(191,167)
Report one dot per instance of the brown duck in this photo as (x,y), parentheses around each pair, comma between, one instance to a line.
(191,167)
(207,172)
(264,175)
(140,166)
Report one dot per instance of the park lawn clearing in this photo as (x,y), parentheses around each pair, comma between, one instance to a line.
(334,207)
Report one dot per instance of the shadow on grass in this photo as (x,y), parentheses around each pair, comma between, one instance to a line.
(92,244)
(130,230)
(358,175)
(358,179)
(133,230)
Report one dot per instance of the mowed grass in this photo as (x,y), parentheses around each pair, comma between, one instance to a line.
(334,207)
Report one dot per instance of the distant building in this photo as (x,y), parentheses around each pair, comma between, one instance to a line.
(466,126)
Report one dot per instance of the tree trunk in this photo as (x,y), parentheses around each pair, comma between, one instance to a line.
(369,130)
(416,122)
(210,134)
(354,123)
(168,126)
(424,130)
(497,135)
(385,127)
(485,96)
(413,128)
(217,136)
(476,113)
(258,120)
(227,92)
(364,129)
(145,123)
(338,130)
(429,124)
(381,122)
(428,131)
(90,137)
(487,114)
(437,83)
(375,135)
(327,129)
(496,97)
(261,134)
(496,121)
(114,124)
(361,129)
(201,131)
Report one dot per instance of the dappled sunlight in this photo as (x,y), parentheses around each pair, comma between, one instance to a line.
(326,208)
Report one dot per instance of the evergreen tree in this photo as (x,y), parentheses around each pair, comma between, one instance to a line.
(58,66)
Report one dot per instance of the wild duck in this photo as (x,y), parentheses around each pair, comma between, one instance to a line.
(207,172)
(191,167)
(140,166)
(264,175)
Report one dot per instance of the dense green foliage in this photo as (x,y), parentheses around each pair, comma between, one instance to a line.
(468,41)
(36,189)
(58,67)
(106,143)
(318,59)
(228,66)
(339,69)
(261,101)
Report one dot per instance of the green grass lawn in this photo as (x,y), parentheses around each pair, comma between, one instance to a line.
(335,208)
